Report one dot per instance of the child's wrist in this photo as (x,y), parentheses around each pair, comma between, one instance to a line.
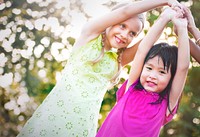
(197,42)
(192,29)
(166,17)
(181,29)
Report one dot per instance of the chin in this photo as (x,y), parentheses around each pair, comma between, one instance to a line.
(150,90)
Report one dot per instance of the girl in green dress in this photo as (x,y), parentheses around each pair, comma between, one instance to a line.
(72,107)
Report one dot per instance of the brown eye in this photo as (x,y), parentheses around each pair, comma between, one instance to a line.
(148,68)
(132,34)
(162,72)
(122,26)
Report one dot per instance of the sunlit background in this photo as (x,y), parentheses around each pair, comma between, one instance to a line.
(36,37)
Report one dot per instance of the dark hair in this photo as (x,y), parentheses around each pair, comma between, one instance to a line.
(168,54)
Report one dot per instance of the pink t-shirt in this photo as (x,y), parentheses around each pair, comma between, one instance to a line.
(134,116)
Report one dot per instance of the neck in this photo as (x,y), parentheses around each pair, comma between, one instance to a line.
(106,47)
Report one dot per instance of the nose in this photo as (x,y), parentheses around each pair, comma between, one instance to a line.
(153,75)
(124,34)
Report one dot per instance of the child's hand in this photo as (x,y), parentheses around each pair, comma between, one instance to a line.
(188,15)
(170,13)
(179,23)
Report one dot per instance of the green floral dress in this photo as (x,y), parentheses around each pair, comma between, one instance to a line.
(72,107)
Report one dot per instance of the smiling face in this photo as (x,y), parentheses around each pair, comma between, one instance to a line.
(154,77)
(120,35)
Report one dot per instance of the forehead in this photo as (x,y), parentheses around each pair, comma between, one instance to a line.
(155,61)
(134,24)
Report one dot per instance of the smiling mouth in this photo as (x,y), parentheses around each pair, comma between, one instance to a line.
(151,84)
(118,40)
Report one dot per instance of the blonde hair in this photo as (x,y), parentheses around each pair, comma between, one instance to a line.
(119,53)
(140,16)
(115,78)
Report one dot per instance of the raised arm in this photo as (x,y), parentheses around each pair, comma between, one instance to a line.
(146,44)
(182,62)
(194,47)
(94,27)
(195,50)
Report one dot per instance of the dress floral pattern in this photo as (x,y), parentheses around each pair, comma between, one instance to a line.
(72,107)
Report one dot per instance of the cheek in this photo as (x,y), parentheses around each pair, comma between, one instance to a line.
(109,31)
(168,78)
(142,77)
(165,81)
(144,73)
(130,40)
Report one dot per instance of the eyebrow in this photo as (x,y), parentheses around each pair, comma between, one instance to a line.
(150,64)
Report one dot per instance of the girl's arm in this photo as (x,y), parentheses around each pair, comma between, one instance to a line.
(191,24)
(183,61)
(146,44)
(129,53)
(194,48)
(95,27)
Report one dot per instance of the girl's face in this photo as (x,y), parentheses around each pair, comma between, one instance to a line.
(120,35)
(154,78)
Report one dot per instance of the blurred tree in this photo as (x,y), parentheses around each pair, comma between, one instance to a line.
(187,121)
(36,37)
(31,53)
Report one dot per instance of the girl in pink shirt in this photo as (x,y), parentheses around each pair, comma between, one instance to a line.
(149,98)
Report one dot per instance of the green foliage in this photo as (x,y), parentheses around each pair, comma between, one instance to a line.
(186,123)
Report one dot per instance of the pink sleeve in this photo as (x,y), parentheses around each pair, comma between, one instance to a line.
(170,116)
(121,90)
